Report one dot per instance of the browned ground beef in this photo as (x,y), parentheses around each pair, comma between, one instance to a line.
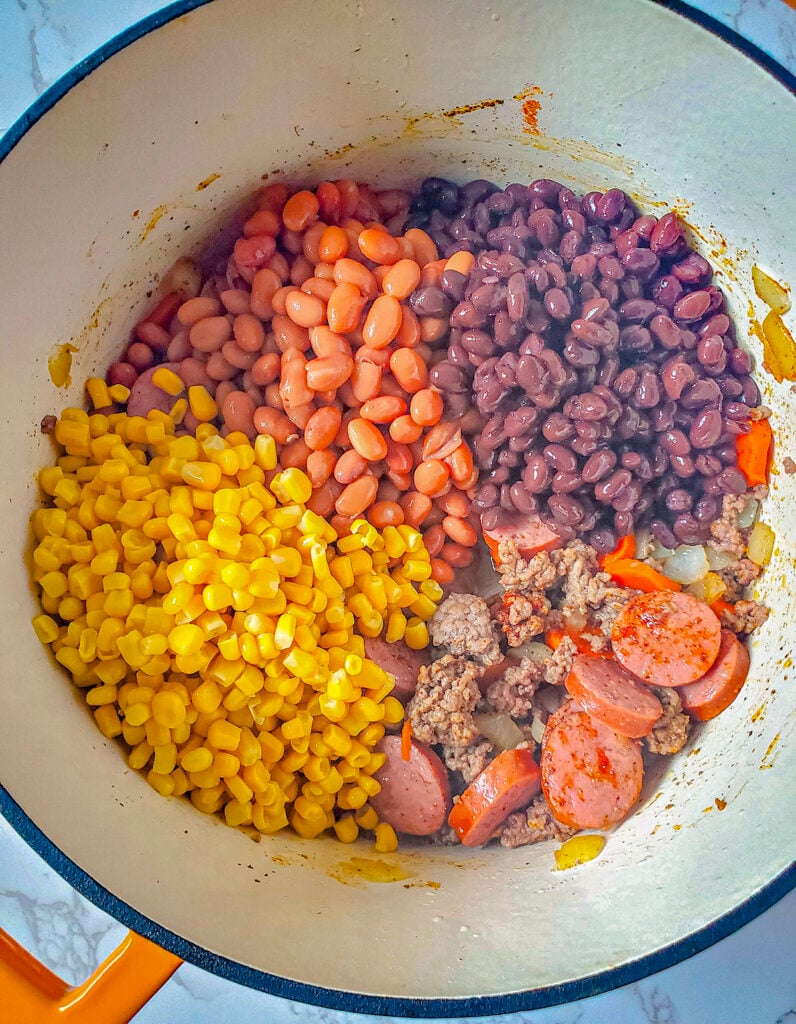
(746,617)
(788,464)
(463,625)
(538,573)
(533,825)
(513,693)
(441,710)
(522,616)
(670,732)
(468,761)
(725,533)
(558,667)
(738,576)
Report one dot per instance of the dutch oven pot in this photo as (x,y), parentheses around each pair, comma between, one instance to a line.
(144,156)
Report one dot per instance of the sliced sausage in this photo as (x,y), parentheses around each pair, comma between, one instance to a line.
(613,696)
(529,534)
(666,638)
(399,660)
(507,783)
(722,682)
(591,776)
(415,794)
(144,395)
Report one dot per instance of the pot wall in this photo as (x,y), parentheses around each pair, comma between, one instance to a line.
(100,197)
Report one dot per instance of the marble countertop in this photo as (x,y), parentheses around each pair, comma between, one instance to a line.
(748,978)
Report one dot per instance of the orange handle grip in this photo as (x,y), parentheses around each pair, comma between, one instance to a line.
(31,994)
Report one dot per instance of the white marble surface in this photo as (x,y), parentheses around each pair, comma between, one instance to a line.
(748,978)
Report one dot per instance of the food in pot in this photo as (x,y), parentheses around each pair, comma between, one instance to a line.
(261,541)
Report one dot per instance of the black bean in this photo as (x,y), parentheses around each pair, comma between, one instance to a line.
(454,284)
(557,304)
(521,421)
(687,529)
(640,263)
(616,482)
(732,480)
(683,465)
(566,509)
(624,523)
(637,310)
(708,465)
(522,499)
(467,316)
(487,496)
(560,457)
(701,392)
(679,500)
(706,509)
(537,474)
(493,518)
(625,383)
(706,429)
(447,377)
(566,482)
(666,291)
(557,427)
(603,540)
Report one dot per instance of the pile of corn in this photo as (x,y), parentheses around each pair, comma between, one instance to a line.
(210,617)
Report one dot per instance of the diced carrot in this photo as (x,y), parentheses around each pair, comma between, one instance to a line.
(637,575)
(720,606)
(754,452)
(493,546)
(625,548)
(553,638)
(406,740)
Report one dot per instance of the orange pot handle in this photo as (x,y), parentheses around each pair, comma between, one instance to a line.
(31,994)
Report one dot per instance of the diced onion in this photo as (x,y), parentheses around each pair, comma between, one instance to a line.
(761,544)
(534,651)
(644,543)
(687,564)
(537,729)
(659,552)
(499,729)
(718,560)
(709,588)
(748,513)
(770,291)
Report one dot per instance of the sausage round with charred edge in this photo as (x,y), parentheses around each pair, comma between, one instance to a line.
(399,660)
(509,781)
(722,682)
(415,794)
(666,638)
(612,696)
(529,534)
(591,776)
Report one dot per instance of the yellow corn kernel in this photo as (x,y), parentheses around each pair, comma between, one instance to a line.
(393,711)
(108,721)
(386,839)
(342,571)
(223,735)
(423,608)
(202,404)
(366,817)
(204,475)
(168,381)
(46,628)
(250,681)
(140,755)
(346,829)
(351,797)
(168,709)
(432,590)
(225,765)
(285,631)
(163,784)
(396,626)
(416,636)
(156,734)
(70,608)
(165,759)
(197,760)
(186,639)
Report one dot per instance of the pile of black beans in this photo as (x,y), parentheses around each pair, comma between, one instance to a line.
(599,355)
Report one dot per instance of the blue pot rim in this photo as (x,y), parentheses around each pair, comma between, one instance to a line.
(295,991)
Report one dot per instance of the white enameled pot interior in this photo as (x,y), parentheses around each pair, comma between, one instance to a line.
(114,182)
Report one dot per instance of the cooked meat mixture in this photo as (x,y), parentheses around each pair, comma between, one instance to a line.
(671,730)
(513,693)
(441,709)
(788,464)
(463,625)
(47,425)
(746,617)
(522,616)
(538,573)
(738,576)
(558,667)
(468,761)
(533,825)
(727,535)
